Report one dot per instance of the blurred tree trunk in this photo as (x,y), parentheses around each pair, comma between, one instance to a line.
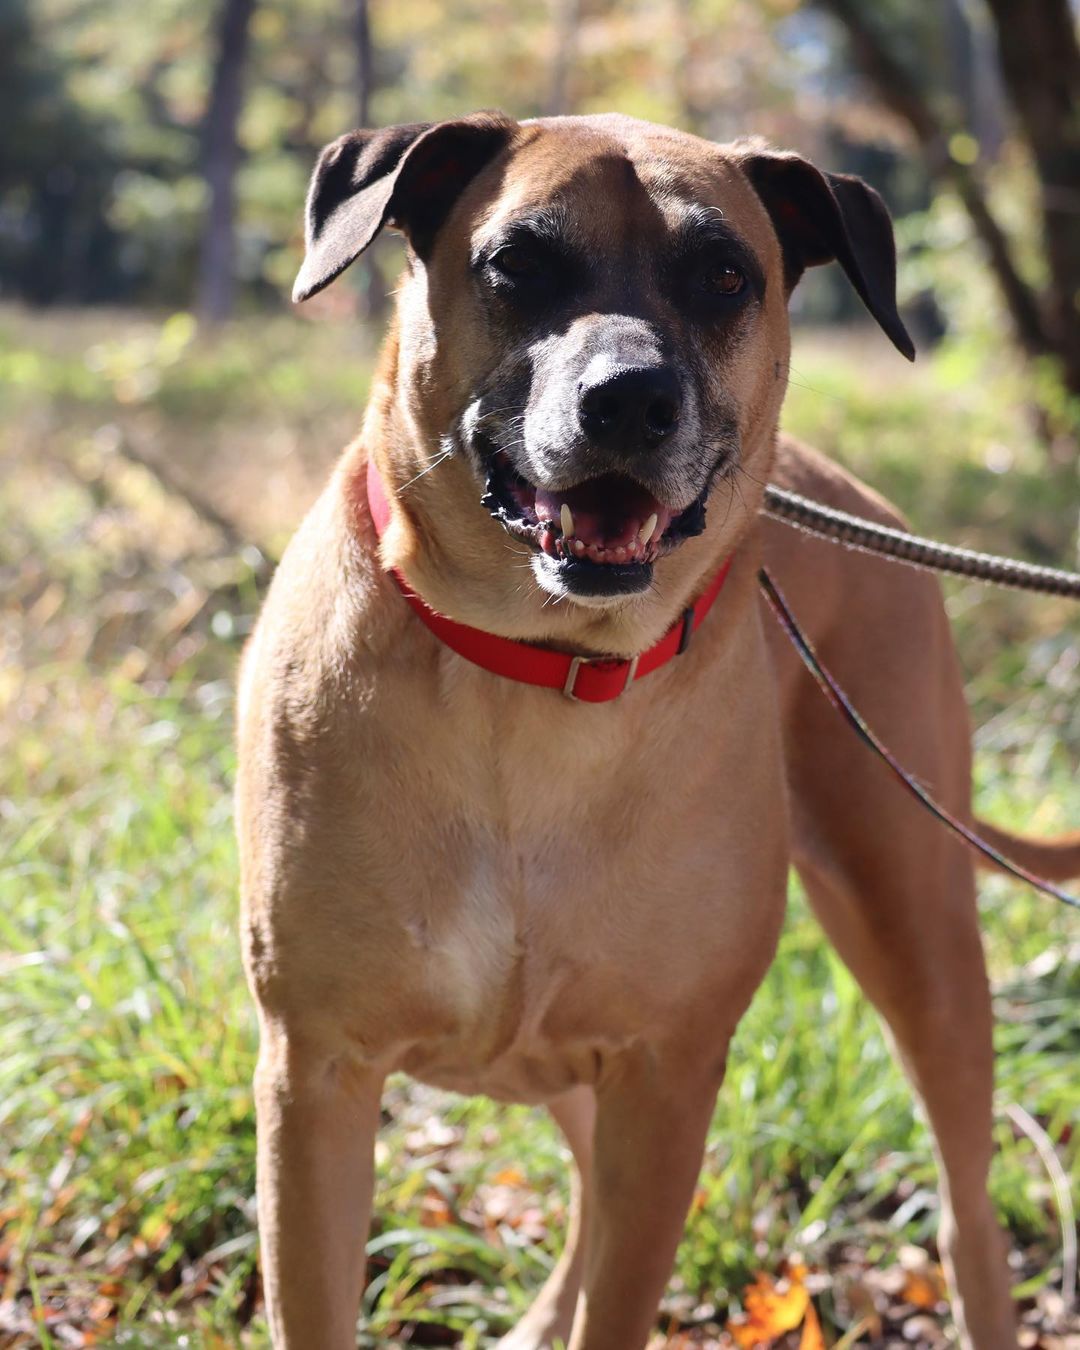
(693,115)
(974,74)
(567,20)
(365,64)
(374,301)
(1040,61)
(902,94)
(220,157)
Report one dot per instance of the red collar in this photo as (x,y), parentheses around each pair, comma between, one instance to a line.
(585,678)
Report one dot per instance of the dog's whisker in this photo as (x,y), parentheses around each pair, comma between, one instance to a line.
(740,469)
(515,408)
(730,504)
(446,454)
(813,389)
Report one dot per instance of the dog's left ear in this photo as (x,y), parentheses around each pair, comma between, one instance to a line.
(819,217)
(408,176)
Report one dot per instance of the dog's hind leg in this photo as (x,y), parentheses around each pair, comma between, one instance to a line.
(317,1118)
(894,890)
(931,988)
(897,897)
(549,1321)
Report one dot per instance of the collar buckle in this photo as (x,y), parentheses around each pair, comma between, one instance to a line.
(578,661)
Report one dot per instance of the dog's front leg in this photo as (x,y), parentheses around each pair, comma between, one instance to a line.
(317,1118)
(549,1320)
(653,1113)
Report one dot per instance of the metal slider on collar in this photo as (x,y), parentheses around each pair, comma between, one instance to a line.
(578,661)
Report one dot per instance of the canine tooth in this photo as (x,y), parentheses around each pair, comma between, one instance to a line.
(645,533)
(567,519)
(578,547)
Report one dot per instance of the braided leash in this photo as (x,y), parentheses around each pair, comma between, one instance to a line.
(912,549)
(843,705)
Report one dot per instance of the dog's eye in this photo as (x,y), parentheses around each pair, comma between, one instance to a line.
(516,261)
(722,279)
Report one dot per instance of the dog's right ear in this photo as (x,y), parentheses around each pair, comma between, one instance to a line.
(407,176)
(819,217)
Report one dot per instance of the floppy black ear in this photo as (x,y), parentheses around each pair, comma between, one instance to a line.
(820,217)
(408,176)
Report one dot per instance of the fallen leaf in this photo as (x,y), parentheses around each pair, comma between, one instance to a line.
(770,1312)
(509,1176)
(101,1309)
(923,1289)
(434,1211)
(812,1337)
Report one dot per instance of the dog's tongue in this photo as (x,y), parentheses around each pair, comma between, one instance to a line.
(609,512)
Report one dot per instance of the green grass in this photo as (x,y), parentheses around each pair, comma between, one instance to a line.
(126,1034)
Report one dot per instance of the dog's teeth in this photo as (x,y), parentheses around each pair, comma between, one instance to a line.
(578,547)
(619,554)
(645,533)
(567,519)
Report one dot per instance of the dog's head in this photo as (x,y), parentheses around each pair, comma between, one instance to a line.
(594,321)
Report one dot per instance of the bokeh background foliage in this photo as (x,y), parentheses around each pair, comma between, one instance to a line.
(165,418)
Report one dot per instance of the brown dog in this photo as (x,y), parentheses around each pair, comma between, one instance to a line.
(502,890)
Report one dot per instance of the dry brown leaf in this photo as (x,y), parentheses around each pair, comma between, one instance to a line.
(509,1176)
(434,1211)
(923,1289)
(812,1338)
(770,1312)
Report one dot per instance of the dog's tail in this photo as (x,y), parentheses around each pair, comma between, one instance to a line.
(1055,859)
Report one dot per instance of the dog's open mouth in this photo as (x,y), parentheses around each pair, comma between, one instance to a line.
(611,521)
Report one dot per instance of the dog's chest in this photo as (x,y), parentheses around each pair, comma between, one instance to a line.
(537,949)
(536,889)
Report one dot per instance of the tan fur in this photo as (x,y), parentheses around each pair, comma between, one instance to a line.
(499,890)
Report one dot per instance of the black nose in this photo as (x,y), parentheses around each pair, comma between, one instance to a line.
(633,405)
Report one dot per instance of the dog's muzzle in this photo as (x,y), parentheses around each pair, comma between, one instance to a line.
(607,520)
(602,535)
